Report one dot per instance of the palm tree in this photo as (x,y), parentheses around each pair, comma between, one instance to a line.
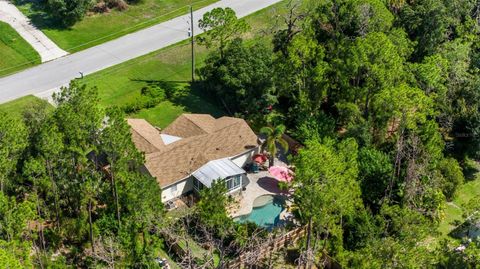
(274,137)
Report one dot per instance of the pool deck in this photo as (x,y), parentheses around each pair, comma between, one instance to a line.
(261,183)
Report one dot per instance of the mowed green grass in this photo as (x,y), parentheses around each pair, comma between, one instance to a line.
(95,29)
(122,83)
(15,53)
(16,107)
(453,210)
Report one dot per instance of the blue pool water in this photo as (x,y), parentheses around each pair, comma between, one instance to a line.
(266,211)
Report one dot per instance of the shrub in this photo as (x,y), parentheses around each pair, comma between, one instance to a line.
(173,93)
(452,177)
(150,97)
(68,12)
(101,7)
(118,4)
(153,92)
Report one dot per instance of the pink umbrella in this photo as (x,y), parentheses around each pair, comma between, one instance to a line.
(281,173)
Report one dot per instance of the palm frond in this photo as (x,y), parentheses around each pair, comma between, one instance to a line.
(284,144)
(279,130)
(267,131)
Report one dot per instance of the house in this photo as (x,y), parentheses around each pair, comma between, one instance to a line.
(195,150)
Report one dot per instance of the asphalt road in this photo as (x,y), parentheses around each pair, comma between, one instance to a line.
(51,75)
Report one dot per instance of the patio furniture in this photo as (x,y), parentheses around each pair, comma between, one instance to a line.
(259,158)
(281,173)
(255,168)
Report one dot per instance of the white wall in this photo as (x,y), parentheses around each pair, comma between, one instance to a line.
(245,158)
(182,187)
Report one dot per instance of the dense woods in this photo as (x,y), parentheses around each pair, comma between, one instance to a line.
(385,97)
(59,196)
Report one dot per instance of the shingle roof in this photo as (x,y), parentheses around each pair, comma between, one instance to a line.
(187,125)
(204,139)
(145,136)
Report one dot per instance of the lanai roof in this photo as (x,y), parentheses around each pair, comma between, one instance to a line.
(217,169)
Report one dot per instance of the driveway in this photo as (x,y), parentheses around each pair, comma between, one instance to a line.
(38,40)
(59,72)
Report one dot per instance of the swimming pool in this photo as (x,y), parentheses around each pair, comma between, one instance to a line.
(266,211)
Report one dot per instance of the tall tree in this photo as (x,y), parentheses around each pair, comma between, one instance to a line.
(78,117)
(214,220)
(243,80)
(13,140)
(123,158)
(326,191)
(221,26)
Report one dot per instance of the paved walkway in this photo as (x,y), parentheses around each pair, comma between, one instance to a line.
(261,183)
(56,73)
(39,41)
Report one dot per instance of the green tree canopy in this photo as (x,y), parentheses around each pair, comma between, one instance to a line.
(13,140)
(221,26)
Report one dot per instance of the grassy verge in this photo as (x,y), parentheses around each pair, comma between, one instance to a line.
(122,83)
(95,29)
(454,210)
(15,52)
(16,107)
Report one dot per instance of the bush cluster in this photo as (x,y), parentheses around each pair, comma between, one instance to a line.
(150,97)
(68,12)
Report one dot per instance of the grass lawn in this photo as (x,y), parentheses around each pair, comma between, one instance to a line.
(122,83)
(15,52)
(16,107)
(453,210)
(197,251)
(99,28)
(160,252)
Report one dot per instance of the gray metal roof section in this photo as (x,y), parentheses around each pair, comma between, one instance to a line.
(216,169)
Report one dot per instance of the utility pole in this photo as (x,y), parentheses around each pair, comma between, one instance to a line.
(192,41)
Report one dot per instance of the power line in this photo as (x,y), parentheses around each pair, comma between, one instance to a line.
(115,33)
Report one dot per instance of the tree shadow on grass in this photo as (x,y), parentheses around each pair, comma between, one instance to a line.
(470,171)
(191,96)
(39,15)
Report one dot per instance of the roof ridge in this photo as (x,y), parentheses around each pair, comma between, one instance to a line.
(194,123)
(140,133)
(233,123)
(175,144)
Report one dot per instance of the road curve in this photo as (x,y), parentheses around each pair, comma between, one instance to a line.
(59,72)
